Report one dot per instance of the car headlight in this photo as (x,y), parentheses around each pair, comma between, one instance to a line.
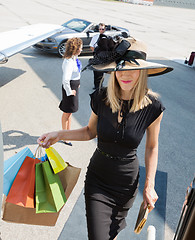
(51,40)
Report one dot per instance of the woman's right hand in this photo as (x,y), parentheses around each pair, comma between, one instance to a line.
(48,139)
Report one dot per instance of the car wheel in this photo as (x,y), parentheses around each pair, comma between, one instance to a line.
(61,49)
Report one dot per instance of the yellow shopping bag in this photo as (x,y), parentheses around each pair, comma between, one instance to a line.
(56,161)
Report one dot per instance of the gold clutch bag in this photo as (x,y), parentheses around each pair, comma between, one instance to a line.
(141,219)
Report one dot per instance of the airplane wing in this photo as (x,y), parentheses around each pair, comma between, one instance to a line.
(14,41)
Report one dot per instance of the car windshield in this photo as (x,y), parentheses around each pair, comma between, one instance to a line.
(76,24)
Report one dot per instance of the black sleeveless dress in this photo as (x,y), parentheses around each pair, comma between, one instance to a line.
(112,177)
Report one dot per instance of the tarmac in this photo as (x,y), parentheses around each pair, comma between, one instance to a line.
(30,92)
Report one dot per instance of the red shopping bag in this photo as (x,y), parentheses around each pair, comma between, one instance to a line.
(22,192)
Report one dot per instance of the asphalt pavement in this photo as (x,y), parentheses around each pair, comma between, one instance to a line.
(30,91)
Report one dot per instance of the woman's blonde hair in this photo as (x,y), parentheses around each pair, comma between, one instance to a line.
(139,93)
(72,47)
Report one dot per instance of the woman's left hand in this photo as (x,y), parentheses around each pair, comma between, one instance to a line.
(150,197)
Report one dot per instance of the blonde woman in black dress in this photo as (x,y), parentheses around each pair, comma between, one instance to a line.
(121,114)
(71,67)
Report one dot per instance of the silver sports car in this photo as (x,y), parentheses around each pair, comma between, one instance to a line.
(77,28)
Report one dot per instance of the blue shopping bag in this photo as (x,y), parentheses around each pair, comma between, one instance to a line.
(12,166)
(44,158)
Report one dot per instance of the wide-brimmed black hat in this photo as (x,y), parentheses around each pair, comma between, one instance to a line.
(128,54)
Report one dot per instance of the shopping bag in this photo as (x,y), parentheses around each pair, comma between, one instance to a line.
(50,196)
(38,153)
(55,160)
(12,166)
(18,214)
(44,158)
(69,177)
(22,191)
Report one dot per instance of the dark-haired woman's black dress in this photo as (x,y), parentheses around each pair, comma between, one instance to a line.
(112,177)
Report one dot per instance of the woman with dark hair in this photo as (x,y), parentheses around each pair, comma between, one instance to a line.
(121,114)
(70,82)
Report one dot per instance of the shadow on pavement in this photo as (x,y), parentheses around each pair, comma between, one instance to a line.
(14,139)
(8,74)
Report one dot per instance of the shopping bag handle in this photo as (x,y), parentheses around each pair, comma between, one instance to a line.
(38,153)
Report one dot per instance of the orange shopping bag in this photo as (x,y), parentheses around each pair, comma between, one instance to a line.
(22,192)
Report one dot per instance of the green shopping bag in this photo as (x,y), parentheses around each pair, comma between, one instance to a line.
(49,192)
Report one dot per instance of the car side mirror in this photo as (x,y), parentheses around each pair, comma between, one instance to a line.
(124,34)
